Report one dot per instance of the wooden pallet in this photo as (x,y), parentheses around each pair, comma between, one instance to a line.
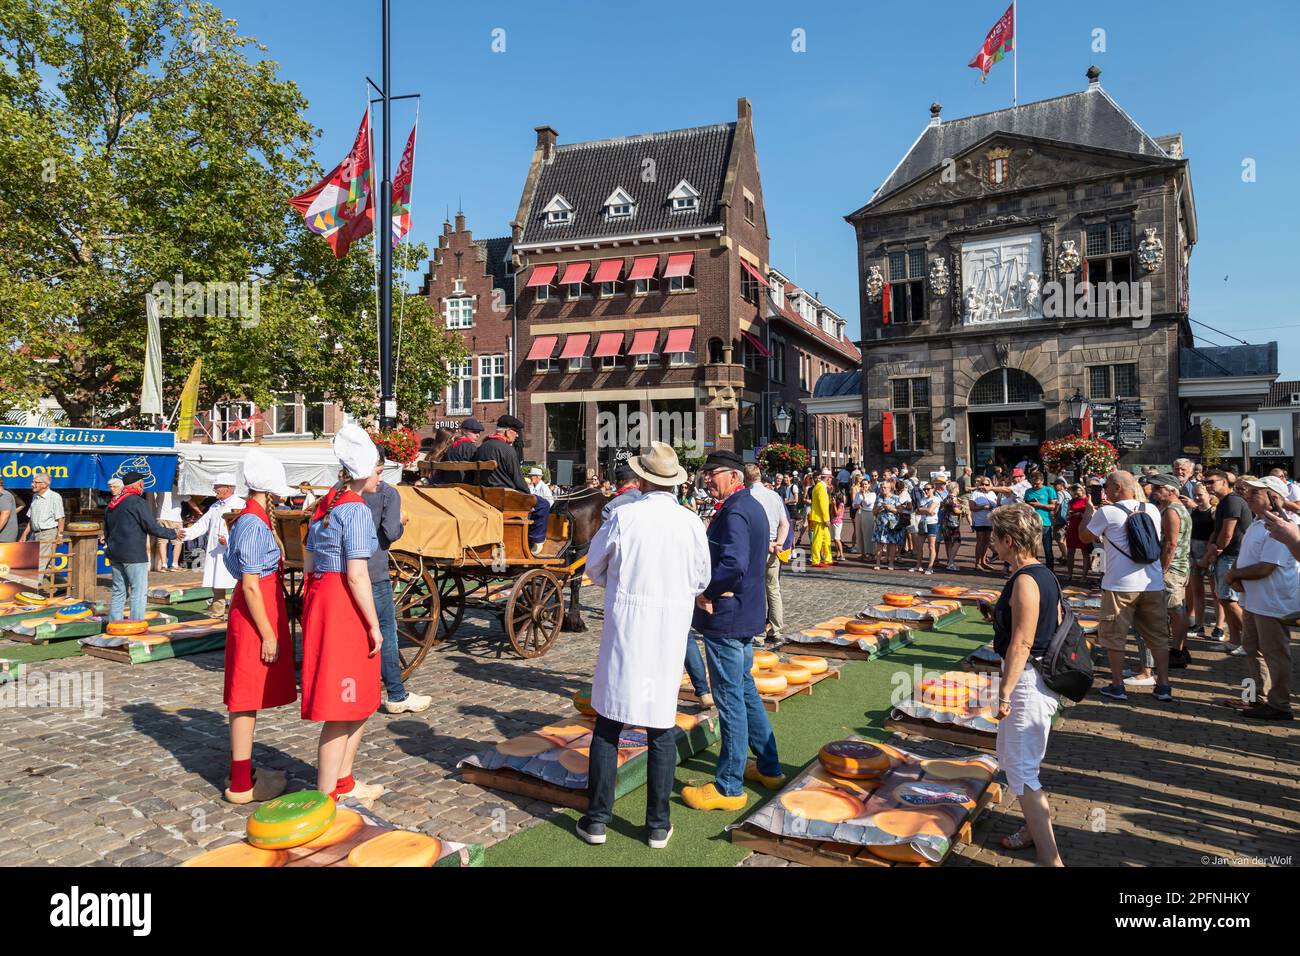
(164,642)
(772,702)
(827,853)
(902,723)
(925,623)
(846,653)
(54,632)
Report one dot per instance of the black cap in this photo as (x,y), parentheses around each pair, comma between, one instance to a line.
(624,473)
(471,425)
(131,477)
(723,459)
(509,421)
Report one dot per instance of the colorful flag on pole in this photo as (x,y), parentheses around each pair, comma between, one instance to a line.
(1000,41)
(189,403)
(402,191)
(886,306)
(1085,426)
(151,397)
(339,207)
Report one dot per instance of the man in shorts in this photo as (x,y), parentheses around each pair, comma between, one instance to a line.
(1231,519)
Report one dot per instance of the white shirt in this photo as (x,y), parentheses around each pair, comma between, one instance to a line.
(167,506)
(1292,491)
(1278,594)
(1123,574)
(211,529)
(1017,496)
(772,505)
(864,499)
(652,559)
(45,511)
(981,519)
(542,490)
(929,502)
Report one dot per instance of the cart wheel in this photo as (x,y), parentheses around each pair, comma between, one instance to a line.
(424,618)
(534,612)
(293,581)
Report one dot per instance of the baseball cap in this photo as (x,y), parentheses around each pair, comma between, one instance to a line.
(1269,482)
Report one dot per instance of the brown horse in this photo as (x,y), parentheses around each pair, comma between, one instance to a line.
(582,508)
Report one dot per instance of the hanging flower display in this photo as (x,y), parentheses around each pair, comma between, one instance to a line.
(782,457)
(401,444)
(1098,455)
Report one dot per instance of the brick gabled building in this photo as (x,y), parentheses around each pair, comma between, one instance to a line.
(470,282)
(640,262)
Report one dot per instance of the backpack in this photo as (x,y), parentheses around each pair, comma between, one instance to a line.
(1066,665)
(1143,541)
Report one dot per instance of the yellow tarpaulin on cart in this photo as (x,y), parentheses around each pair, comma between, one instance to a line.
(445,522)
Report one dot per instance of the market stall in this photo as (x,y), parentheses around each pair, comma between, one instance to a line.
(314,464)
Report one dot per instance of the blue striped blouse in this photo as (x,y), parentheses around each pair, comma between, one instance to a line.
(351,534)
(251,548)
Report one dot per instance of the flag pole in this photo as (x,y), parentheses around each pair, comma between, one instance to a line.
(1015,53)
(387,405)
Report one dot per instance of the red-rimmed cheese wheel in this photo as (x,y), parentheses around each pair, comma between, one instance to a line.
(291,820)
(898,599)
(854,759)
(793,673)
(770,682)
(397,848)
(125,628)
(813,664)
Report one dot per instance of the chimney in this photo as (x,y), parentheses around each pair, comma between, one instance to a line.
(546,137)
(743,110)
(1094,78)
(935,110)
(460,222)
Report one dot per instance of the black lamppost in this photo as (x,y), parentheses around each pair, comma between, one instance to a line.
(1079,406)
(781,420)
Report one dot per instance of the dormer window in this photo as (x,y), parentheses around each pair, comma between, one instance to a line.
(684,197)
(619,205)
(559,211)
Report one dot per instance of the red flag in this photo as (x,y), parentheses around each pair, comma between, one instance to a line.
(1085,427)
(885,305)
(1083,275)
(887,432)
(339,207)
(402,191)
(1000,41)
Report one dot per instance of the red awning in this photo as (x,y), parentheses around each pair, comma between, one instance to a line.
(679,265)
(643,343)
(575,346)
(754,272)
(762,349)
(542,275)
(608,270)
(679,340)
(643,268)
(575,272)
(610,344)
(543,348)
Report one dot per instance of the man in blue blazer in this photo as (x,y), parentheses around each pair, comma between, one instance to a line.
(730,613)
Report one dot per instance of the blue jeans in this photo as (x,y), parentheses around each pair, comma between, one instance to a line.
(695,667)
(1049,555)
(602,772)
(136,578)
(537,519)
(390,666)
(740,712)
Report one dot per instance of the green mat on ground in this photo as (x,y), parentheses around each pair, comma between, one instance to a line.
(803,725)
(34,653)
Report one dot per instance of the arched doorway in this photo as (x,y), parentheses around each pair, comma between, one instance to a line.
(1005,418)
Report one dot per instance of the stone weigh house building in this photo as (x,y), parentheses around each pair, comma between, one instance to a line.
(978,355)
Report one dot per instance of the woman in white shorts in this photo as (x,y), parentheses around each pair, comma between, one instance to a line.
(1024,621)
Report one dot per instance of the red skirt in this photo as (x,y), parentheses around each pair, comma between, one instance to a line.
(252,684)
(340,678)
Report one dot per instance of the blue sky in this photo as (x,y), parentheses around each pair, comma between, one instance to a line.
(830,122)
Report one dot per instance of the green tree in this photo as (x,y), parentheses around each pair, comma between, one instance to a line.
(1213,441)
(145,139)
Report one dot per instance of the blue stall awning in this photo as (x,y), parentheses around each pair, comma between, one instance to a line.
(86,457)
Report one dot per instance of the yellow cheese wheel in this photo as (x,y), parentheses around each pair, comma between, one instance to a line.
(948,590)
(898,599)
(121,628)
(814,665)
(828,806)
(765,659)
(291,820)
(860,628)
(854,759)
(397,848)
(529,745)
(73,612)
(793,673)
(81,526)
(946,693)
(239,854)
(31,598)
(770,682)
(941,769)
(346,822)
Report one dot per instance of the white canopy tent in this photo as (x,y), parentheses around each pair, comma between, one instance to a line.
(316,465)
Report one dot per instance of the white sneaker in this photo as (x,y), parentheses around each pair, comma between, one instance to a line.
(1238,651)
(537,549)
(1139,682)
(412,704)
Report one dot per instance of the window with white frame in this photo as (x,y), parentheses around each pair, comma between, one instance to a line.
(1270,439)
(619,205)
(684,197)
(559,211)
(580,364)
(610,362)
(679,359)
(460,393)
(608,289)
(491,378)
(643,286)
(575,290)
(684,283)
(284,415)
(233,421)
(460,285)
(547,365)
(647,361)
(460,313)
(313,410)
(724,423)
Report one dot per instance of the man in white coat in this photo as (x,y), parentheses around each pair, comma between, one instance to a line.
(211,529)
(652,559)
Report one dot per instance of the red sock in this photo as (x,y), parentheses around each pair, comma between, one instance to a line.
(241,776)
(343,785)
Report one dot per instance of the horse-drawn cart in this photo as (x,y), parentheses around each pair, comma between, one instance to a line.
(466,547)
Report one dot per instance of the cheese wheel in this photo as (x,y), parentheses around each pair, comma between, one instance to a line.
(814,665)
(121,628)
(898,599)
(860,628)
(346,822)
(948,590)
(397,848)
(941,769)
(529,745)
(793,673)
(947,693)
(576,759)
(770,682)
(582,702)
(73,612)
(291,820)
(239,854)
(828,806)
(854,759)
(31,598)
(909,823)
(765,659)
(81,526)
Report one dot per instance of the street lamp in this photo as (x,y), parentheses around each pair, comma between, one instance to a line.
(1078,406)
(781,421)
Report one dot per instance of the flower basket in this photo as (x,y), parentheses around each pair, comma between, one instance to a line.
(782,457)
(1098,455)
(401,444)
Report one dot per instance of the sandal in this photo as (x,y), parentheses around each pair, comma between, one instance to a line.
(1020,840)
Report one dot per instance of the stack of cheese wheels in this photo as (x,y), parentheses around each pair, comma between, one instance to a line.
(793,673)
(31,598)
(814,665)
(239,854)
(763,660)
(291,820)
(125,628)
(397,848)
(860,628)
(898,599)
(73,612)
(854,759)
(948,590)
(582,702)
(770,682)
(947,692)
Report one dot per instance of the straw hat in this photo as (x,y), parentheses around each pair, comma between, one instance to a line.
(659,465)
